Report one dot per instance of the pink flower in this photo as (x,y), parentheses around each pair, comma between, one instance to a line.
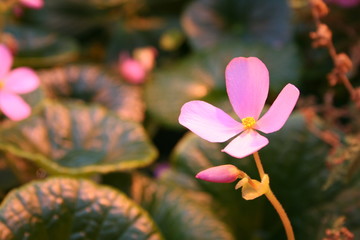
(247,85)
(135,70)
(18,81)
(221,174)
(131,69)
(35,4)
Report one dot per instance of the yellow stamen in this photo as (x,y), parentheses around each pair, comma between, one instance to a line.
(248,122)
(2,84)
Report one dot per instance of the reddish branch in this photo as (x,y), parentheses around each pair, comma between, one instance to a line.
(322,37)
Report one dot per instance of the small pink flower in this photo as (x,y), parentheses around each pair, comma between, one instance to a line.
(135,69)
(131,69)
(18,81)
(35,4)
(247,85)
(221,174)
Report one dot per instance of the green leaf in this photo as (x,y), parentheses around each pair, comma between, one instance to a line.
(14,171)
(75,17)
(73,138)
(39,48)
(91,3)
(192,155)
(201,76)
(176,212)
(208,23)
(93,84)
(69,209)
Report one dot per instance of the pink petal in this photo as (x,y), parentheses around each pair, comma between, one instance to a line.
(13,106)
(6,60)
(209,122)
(280,110)
(245,144)
(36,4)
(21,80)
(247,84)
(220,174)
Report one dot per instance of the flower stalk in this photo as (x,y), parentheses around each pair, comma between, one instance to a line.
(243,78)
(283,216)
(275,202)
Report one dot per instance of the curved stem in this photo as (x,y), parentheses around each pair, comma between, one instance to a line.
(283,216)
(275,202)
(259,164)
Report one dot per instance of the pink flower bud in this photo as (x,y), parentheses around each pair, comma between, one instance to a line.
(131,69)
(221,174)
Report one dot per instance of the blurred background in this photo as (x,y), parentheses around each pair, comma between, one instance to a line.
(114,75)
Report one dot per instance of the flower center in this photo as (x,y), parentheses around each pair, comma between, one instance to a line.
(248,122)
(2,84)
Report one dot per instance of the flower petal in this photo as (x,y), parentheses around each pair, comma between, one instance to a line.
(220,174)
(21,80)
(6,60)
(247,84)
(279,111)
(245,144)
(209,122)
(35,4)
(13,106)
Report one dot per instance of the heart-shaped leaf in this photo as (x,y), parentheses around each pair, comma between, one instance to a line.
(174,210)
(69,209)
(39,48)
(94,84)
(201,76)
(73,138)
(192,155)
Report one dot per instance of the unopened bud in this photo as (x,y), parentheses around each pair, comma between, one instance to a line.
(221,174)
(130,69)
(320,8)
